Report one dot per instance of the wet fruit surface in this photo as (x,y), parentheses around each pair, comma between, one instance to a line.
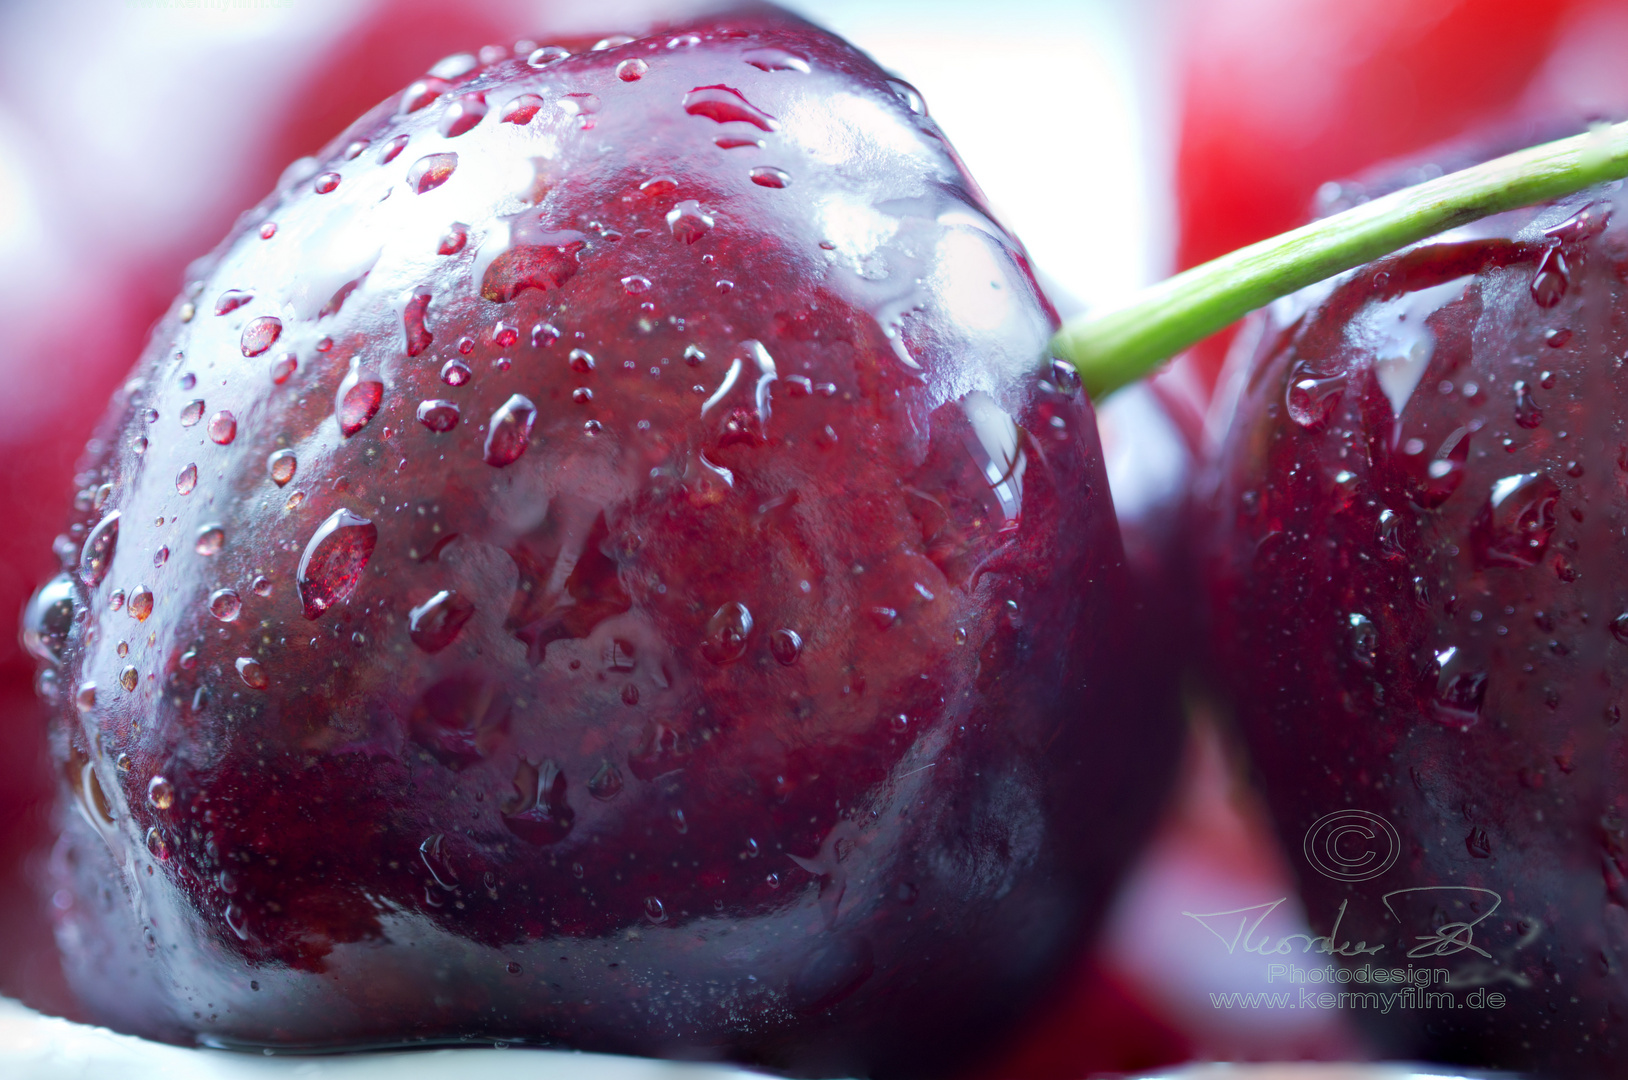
(589,574)
(1418,584)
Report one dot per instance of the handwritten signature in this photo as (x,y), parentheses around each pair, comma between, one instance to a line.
(1240,929)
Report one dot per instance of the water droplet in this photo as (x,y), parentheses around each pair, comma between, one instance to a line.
(186,312)
(161,556)
(211,538)
(422,93)
(1619,627)
(462,114)
(786,645)
(49,618)
(431,171)
(653,910)
(909,95)
(543,335)
(1478,845)
(141,603)
(765,176)
(1552,277)
(231,300)
(268,230)
(157,846)
(222,428)
(606,783)
(455,372)
(509,432)
(630,694)
(418,335)
(454,66)
(688,221)
(325,183)
(128,678)
(1527,413)
(97,555)
(454,239)
(357,400)
(727,632)
(582,395)
(1514,526)
(579,104)
(548,54)
(192,412)
(261,334)
(631,70)
(1312,398)
(771,59)
(521,109)
(725,105)
(281,467)
(332,564)
(1459,693)
(1364,639)
(635,284)
(1389,534)
(435,623)
(614,41)
(161,793)
(539,813)
(294,499)
(283,368)
(581,360)
(389,151)
(1556,339)
(225,605)
(438,415)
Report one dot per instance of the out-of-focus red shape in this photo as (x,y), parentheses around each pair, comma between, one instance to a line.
(1281,96)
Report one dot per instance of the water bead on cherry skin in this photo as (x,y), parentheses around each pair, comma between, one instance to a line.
(325,183)
(225,604)
(770,177)
(268,230)
(431,171)
(260,335)
(544,334)
(455,372)
(211,538)
(509,432)
(454,239)
(391,149)
(548,54)
(281,466)
(422,93)
(581,361)
(635,284)
(438,415)
(140,604)
(222,428)
(462,115)
(434,624)
(231,300)
(631,70)
(160,793)
(727,633)
(357,400)
(262,586)
(331,565)
(186,480)
(252,673)
(521,109)
(283,368)
(192,412)
(582,395)
(466,345)
(161,556)
(688,222)
(96,557)
(505,335)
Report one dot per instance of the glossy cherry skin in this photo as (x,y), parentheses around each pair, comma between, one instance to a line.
(607,569)
(1418,586)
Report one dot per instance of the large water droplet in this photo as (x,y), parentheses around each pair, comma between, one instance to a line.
(422,93)
(509,432)
(222,428)
(539,813)
(281,467)
(727,633)
(357,400)
(252,673)
(1552,277)
(434,624)
(225,605)
(1312,398)
(160,793)
(688,221)
(332,564)
(231,300)
(1527,413)
(462,115)
(909,95)
(771,59)
(389,151)
(97,555)
(548,54)
(438,415)
(770,177)
(431,171)
(211,538)
(48,619)
(140,604)
(455,372)
(260,335)
(325,183)
(726,105)
(521,109)
(1459,692)
(631,70)
(1514,526)
(412,321)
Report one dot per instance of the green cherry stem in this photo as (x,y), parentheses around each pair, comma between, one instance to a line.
(1121,345)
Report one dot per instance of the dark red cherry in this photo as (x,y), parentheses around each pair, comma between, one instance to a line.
(1416,593)
(682,617)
